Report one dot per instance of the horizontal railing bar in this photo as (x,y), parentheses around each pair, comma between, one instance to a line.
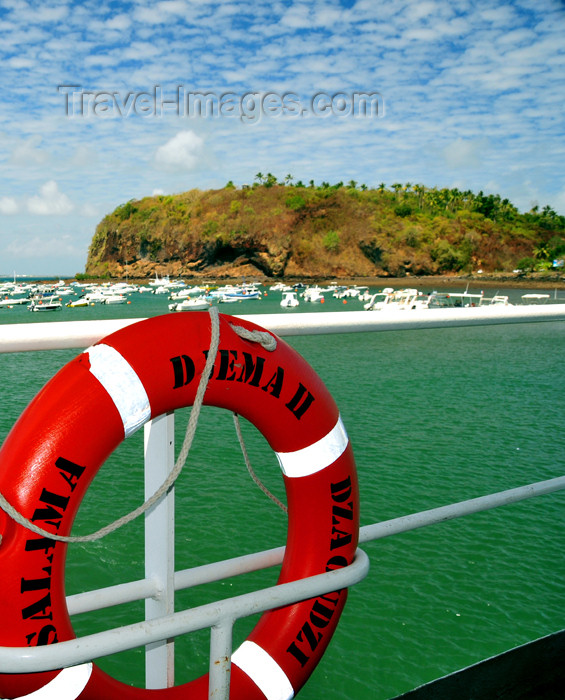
(186,578)
(93,646)
(216,571)
(58,335)
(406,523)
(109,596)
(20,337)
(411,319)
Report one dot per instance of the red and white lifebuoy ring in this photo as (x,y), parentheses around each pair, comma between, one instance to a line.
(106,393)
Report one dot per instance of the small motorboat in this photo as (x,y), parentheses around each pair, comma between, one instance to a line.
(289,300)
(193,304)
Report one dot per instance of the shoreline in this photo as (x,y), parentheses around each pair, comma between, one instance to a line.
(456,282)
(500,280)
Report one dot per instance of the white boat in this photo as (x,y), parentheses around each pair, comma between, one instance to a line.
(244,293)
(193,304)
(78,303)
(159,282)
(361,293)
(45,305)
(289,300)
(390,300)
(313,295)
(464,300)
(186,292)
(95,297)
(497,300)
(9,301)
(535,298)
(399,300)
(123,288)
(114,299)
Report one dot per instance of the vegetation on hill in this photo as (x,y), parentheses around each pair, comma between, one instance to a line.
(293,229)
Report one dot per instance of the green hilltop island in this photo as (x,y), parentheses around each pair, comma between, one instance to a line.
(288,229)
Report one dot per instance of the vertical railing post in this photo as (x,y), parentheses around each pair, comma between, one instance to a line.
(160,546)
(220,661)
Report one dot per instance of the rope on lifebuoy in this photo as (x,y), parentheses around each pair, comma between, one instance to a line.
(268,341)
(102,396)
(250,469)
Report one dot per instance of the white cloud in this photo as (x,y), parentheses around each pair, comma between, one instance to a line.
(29,153)
(297,17)
(181,153)
(161,12)
(464,154)
(50,201)
(8,205)
(49,14)
(119,22)
(21,62)
(41,246)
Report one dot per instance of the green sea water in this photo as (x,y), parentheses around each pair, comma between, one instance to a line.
(434,417)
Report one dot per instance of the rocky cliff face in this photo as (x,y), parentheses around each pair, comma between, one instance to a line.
(273,232)
(311,232)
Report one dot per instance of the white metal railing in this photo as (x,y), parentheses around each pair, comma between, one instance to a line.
(81,334)
(161,623)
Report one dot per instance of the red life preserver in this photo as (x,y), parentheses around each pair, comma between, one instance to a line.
(106,393)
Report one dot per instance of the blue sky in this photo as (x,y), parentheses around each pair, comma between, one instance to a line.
(462,94)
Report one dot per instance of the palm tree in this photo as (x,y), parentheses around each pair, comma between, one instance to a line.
(420,190)
(548,211)
(541,252)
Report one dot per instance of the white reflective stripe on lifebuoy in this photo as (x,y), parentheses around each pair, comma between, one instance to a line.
(67,685)
(317,456)
(123,385)
(264,671)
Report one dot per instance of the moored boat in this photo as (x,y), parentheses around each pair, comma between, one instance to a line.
(114,299)
(289,300)
(314,295)
(191,304)
(397,300)
(77,303)
(45,305)
(9,301)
